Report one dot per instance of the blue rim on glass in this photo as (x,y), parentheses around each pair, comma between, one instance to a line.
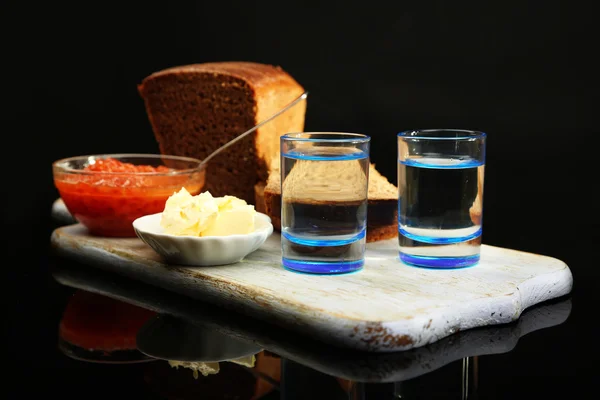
(467,148)
(323,268)
(292,148)
(431,262)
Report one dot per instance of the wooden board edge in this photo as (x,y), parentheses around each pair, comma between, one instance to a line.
(365,367)
(372,336)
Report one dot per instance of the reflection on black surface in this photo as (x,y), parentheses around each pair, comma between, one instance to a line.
(171,338)
(99,329)
(227,347)
(300,382)
(186,345)
(230,381)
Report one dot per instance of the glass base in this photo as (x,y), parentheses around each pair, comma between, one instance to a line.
(440,262)
(318,267)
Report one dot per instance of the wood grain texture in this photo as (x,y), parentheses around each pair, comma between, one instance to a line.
(387,306)
(341,362)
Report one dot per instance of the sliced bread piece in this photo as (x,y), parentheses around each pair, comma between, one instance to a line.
(194,109)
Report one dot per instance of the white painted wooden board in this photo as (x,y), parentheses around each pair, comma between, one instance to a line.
(387,306)
(344,363)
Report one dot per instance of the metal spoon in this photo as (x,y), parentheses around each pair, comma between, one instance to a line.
(249,131)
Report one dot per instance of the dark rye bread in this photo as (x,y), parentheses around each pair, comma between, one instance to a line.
(194,109)
(382,211)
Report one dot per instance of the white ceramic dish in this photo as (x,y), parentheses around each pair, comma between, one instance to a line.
(201,251)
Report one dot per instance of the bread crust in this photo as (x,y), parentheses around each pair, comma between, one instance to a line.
(260,77)
(384,232)
(194,109)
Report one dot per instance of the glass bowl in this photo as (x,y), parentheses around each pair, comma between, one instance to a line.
(107,192)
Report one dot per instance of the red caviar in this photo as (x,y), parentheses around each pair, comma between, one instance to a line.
(108,195)
(114,165)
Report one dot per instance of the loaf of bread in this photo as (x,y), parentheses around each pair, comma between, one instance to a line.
(194,109)
(382,209)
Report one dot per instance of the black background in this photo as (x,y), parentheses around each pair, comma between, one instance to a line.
(520,71)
